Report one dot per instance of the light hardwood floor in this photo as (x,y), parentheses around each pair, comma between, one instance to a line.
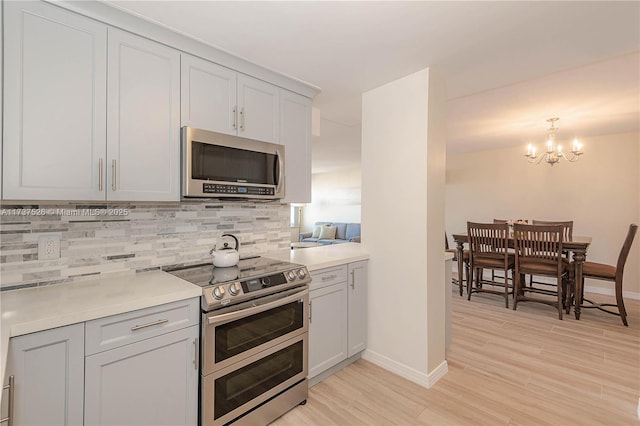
(521,367)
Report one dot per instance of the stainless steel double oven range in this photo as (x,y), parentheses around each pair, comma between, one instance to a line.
(254,339)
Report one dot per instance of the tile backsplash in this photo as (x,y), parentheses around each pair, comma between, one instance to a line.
(99,239)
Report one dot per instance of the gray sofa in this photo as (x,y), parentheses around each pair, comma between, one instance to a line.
(345,233)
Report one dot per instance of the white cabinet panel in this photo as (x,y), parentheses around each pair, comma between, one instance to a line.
(208,96)
(295,135)
(151,382)
(143,116)
(338,323)
(357,306)
(49,376)
(54,103)
(327,331)
(259,109)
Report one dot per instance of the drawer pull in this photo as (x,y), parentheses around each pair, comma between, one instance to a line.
(11,388)
(329,277)
(151,324)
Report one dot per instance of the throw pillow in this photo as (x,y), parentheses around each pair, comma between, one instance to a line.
(316,231)
(328,233)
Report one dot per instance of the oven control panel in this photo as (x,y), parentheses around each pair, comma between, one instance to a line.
(233,292)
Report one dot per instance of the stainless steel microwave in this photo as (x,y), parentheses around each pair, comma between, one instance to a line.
(215,165)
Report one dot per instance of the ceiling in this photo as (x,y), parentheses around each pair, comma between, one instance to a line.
(508,65)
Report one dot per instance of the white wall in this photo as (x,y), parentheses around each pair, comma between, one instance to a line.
(600,193)
(337,178)
(336,197)
(402,216)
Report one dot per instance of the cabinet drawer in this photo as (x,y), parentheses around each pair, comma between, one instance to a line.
(117,330)
(328,276)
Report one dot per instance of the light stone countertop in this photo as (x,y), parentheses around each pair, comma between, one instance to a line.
(35,309)
(321,257)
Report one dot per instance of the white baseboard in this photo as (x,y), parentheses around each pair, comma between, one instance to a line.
(425,380)
(611,292)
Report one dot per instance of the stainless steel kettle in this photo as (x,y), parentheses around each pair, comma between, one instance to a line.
(226,255)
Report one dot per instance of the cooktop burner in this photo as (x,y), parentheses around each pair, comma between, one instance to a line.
(206,274)
(249,279)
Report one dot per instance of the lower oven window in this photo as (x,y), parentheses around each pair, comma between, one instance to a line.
(242,385)
(241,335)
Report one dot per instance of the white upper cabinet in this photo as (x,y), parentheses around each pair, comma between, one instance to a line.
(54,103)
(208,96)
(258,109)
(93,113)
(295,135)
(143,120)
(222,100)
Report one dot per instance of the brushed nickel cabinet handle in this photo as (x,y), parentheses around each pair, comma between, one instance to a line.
(353,280)
(100,175)
(113,175)
(242,118)
(329,277)
(151,324)
(235,117)
(11,388)
(310,314)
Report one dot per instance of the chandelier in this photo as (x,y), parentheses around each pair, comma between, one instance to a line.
(554,152)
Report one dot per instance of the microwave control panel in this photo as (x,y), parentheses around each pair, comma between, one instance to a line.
(217,188)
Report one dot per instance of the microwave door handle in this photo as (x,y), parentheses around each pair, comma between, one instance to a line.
(278,167)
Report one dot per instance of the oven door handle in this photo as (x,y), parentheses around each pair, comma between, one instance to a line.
(230,316)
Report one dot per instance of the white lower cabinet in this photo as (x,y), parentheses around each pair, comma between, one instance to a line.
(136,368)
(141,367)
(327,334)
(48,372)
(357,306)
(338,315)
(151,382)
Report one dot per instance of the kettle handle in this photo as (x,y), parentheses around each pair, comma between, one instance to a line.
(234,237)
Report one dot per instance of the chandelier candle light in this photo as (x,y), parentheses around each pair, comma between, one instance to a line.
(554,152)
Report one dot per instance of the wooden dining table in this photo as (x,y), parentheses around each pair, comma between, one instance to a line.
(578,246)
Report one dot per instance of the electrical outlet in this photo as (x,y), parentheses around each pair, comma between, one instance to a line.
(49,247)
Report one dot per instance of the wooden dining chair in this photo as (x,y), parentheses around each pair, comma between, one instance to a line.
(567,235)
(465,259)
(494,275)
(538,251)
(600,271)
(489,249)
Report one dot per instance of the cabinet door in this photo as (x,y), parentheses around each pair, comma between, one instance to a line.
(143,120)
(357,300)
(54,103)
(295,135)
(327,327)
(151,382)
(208,96)
(48,369)
(259,109)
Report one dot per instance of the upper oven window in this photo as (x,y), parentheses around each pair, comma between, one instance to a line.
(238,336)
(221,163)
